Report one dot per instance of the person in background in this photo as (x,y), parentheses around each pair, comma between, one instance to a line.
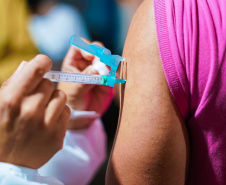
(51,26)
(24,149)
(29,27)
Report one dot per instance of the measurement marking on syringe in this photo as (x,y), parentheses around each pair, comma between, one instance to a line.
(76,78)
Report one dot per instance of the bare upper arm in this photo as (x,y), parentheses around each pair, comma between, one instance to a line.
(151,145)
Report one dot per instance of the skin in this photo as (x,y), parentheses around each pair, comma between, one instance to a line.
(84,97)
(33,116)
(151,145)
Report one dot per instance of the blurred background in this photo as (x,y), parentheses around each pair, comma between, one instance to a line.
(29,27)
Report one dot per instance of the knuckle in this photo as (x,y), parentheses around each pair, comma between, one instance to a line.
(37,70)
(28,110)
(61,95)
(10,102)
(32,111)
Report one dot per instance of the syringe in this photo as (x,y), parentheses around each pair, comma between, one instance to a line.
(108,80)
(105,57)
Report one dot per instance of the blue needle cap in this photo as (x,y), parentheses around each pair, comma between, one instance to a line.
(105,56)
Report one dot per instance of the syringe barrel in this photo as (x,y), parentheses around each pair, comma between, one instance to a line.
(56,76)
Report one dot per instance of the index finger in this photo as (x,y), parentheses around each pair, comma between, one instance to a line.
(78,58)
(30,75)
(87,55)
(75,56)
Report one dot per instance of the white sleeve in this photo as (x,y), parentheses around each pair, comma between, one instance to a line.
(16,175)
(82,154)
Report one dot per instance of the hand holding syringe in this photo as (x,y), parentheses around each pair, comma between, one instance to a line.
(105,56)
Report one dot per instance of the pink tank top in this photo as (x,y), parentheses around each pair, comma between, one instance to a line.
(192,44)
